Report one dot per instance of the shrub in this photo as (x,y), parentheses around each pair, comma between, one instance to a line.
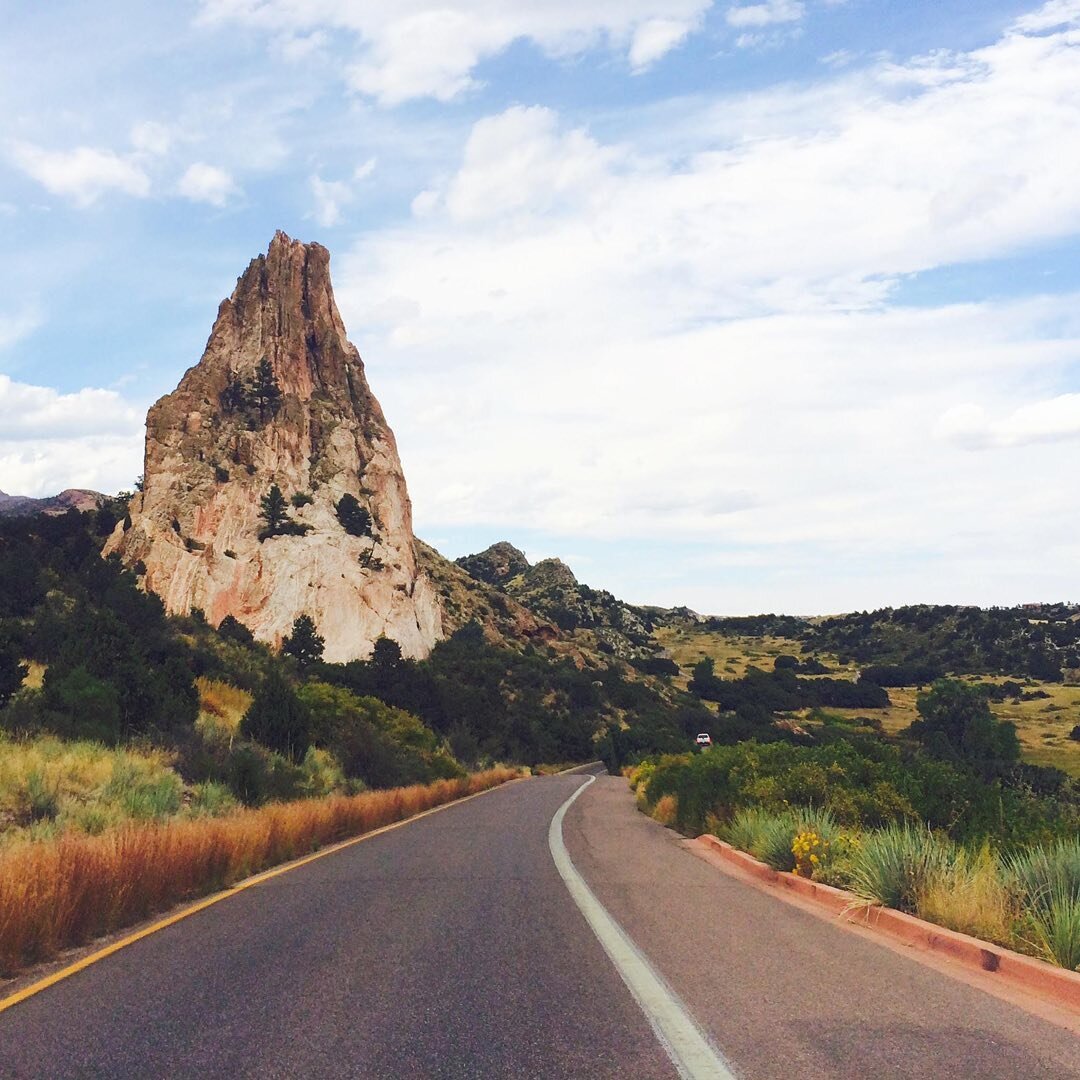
(211,799)
(775,839)
(893,866)
(221,474)
(1058,925)
(301,498)
(233,629)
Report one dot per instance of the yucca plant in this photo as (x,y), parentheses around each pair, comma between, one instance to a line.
(773,842)
(744,828)
(1058,925)
(893,866)
(1040,874)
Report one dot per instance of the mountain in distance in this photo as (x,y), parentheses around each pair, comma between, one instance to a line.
(79,499)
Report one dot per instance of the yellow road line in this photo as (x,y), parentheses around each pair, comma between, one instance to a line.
(200,905)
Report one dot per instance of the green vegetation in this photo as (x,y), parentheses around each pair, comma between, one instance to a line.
(274,511)
(355,520)
(258,399)
(304,644)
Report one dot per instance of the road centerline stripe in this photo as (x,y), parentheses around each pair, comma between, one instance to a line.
(690,1049)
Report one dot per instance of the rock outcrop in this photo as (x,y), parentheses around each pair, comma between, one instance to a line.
(551,591)
(280,398)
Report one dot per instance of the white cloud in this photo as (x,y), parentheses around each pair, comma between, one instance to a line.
(151,138)
(655,39)
(207,183)
(50,441)
(364,169)
(18,325)
(970,426)
(519,160)
(1050,16)
(766,14)
(695,342)
(330,196)
(83,174)
(408,49)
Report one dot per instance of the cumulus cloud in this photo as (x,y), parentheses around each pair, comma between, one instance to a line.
(409,49)
(207,183)
(691,334)
(1050,16)
(82,175)
(50,441)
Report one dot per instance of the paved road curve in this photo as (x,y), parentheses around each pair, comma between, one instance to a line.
(451,948)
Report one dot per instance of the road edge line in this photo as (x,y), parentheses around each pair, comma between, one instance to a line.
(689,1048)
(194,908)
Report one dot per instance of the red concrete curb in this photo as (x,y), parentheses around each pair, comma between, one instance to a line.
(1036,976)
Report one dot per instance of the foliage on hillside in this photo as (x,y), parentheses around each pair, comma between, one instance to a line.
(944,639)
(112,667)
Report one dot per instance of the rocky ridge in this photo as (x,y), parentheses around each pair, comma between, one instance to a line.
(79,499)
(550,590)
(280,398)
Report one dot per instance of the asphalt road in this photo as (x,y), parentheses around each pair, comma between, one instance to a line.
(450,947)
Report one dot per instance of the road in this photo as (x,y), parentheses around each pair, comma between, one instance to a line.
(451,947)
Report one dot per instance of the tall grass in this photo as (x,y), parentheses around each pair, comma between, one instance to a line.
(48,785)
(65,892)
(968,893)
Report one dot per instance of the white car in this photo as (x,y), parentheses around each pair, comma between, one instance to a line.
(703,740)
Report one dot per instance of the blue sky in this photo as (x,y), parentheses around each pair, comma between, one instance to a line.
(747,306)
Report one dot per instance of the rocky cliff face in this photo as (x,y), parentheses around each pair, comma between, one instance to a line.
(280,398)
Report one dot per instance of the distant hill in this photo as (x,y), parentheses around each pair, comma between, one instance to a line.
(550,590)
(72,499)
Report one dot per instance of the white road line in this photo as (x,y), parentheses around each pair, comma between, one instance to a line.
(686,1044)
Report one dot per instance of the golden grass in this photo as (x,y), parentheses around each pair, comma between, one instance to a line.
(221,708)
(666,810)
(60,893)
(969,895)
(35,675)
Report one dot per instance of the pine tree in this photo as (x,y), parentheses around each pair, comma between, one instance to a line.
(264,392)
(277,718)
(274,512)
(233,398)
(354,519)
(304,643)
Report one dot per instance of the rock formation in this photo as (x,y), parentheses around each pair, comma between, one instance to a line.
(280,398)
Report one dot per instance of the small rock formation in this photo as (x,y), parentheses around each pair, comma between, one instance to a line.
(280,398)
(495,565)
(551,591)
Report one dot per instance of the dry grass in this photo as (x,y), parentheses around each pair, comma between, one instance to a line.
(221,708)
(35,675)
(61,893)
(666,810)
(731,655)
(969,895)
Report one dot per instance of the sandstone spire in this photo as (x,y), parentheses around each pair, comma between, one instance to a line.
(216,445)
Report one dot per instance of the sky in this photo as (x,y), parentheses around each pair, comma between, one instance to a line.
(748,306)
